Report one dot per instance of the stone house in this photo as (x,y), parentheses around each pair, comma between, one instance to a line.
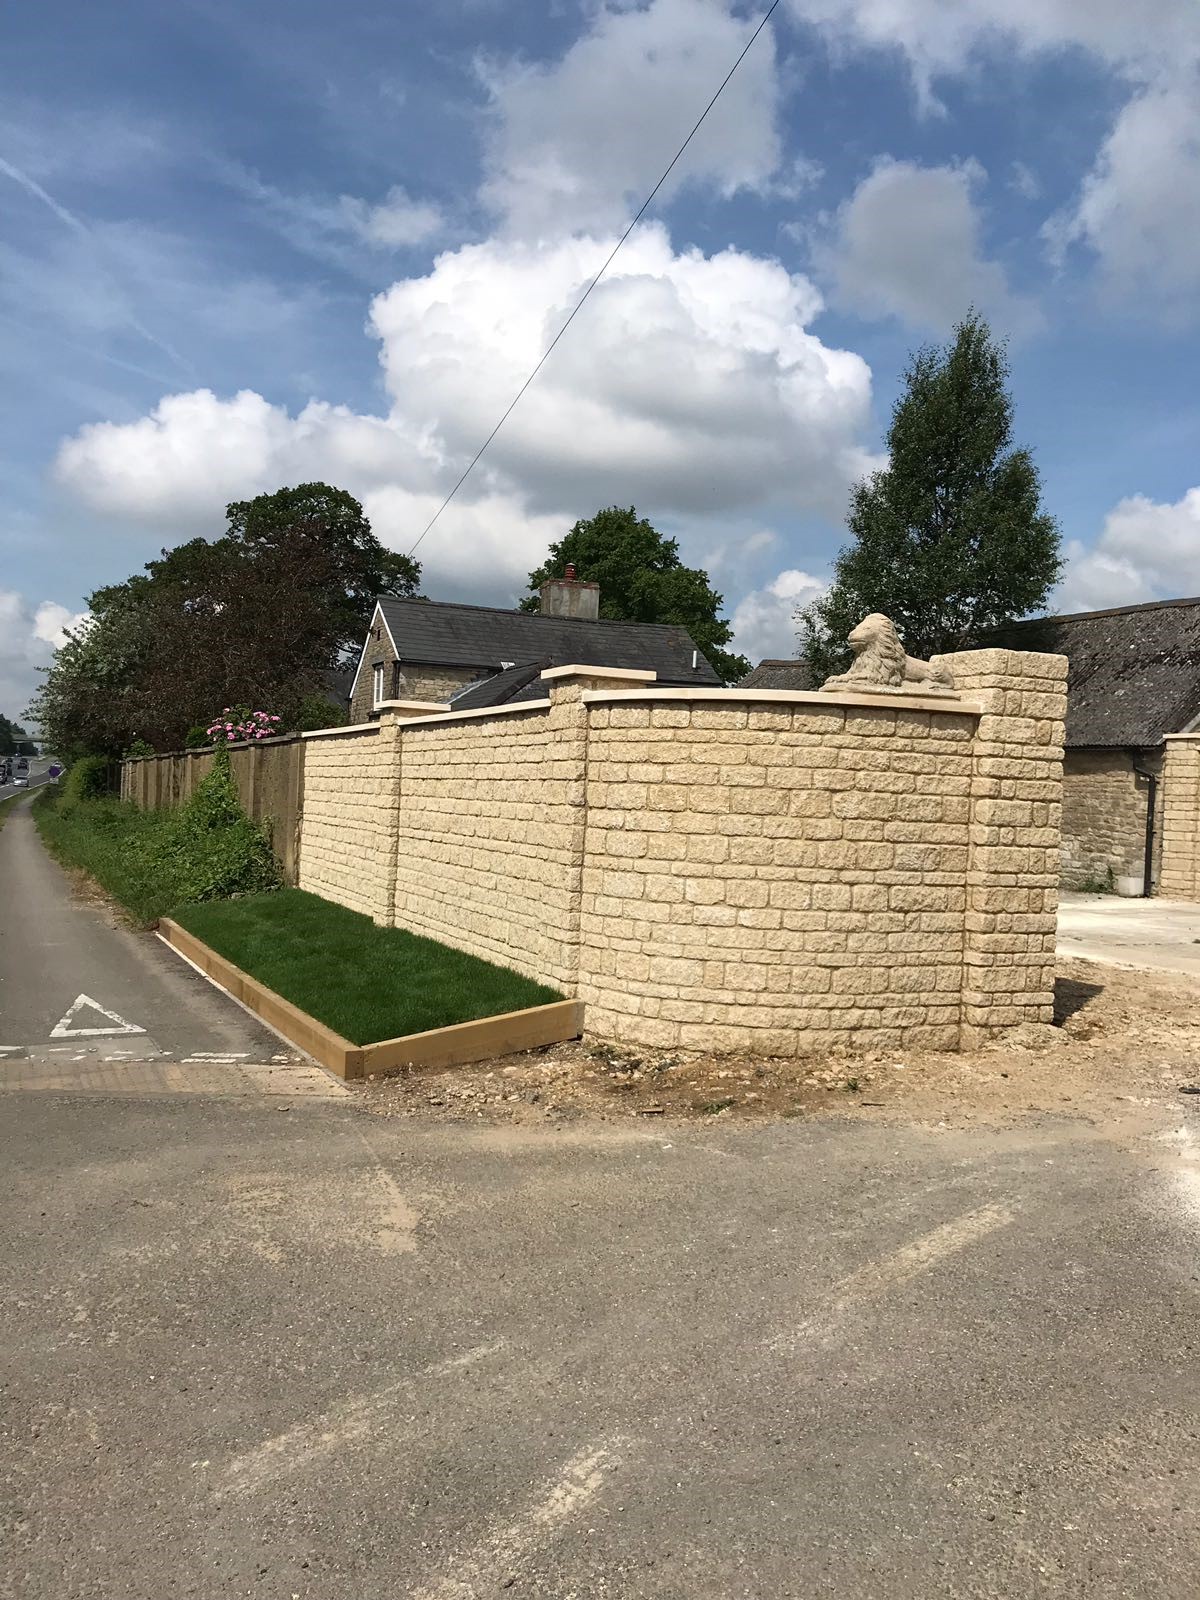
(1133,681)
(470,657)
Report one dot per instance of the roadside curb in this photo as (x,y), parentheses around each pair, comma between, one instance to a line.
(455,1046)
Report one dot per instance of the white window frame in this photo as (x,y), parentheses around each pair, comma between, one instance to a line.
(377,673)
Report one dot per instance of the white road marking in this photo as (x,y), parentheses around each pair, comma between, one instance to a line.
(878,1277)
(213,1055)
(505,1546)
(60,1029)
(357,1418)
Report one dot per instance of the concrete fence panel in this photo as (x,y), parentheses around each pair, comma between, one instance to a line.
(269,775)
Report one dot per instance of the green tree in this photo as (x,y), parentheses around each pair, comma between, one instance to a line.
(949,540)
(642,579)
(317,522)
(14,741)
(261,616)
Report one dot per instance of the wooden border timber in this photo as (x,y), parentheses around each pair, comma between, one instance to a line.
(455,1046)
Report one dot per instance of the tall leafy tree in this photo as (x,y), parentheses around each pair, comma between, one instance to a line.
(642,579)
(260,616)
(317,525)
(14,741)
(950,538)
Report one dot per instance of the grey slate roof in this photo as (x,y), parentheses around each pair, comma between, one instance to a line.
(502,687)
(441,634)
(1134,672)
(779,675)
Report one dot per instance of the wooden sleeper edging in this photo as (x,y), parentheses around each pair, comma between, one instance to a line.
(455,1046)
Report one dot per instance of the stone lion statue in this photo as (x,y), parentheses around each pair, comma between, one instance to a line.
(880,663)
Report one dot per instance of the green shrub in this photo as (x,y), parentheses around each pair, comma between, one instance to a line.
(140,747)
(211,847)
(1097,882)
(89,779)
(318,712)
(197,738)
(154,861)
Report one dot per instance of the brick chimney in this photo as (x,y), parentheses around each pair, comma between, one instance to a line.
(568,597)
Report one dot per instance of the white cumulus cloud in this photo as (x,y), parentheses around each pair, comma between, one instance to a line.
(907,244)
(1147,550)
(28,635)
(689,386)
(940,37)
(764,621)
(574,141)
(397,221)
(1139,207)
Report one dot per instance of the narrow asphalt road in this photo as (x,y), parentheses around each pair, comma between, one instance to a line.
(55,947)
(332,1356)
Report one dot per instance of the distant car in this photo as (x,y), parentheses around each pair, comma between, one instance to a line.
(21,781)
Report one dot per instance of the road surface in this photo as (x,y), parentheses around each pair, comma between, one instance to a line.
(1159,935)
(82,994)
(277,1346)
(332,1356)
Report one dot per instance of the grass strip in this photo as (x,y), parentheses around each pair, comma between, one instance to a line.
(365,982)
(112,841)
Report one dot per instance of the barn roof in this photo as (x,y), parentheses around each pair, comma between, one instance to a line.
(1133,674)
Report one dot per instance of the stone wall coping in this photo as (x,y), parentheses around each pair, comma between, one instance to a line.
(475,714)
(330,733)
(1194,736)
(416,708)
(618,674)
(949,704)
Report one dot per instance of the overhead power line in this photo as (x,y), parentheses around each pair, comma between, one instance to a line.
(578,306)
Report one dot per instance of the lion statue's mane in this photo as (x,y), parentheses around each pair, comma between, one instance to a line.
(880,662)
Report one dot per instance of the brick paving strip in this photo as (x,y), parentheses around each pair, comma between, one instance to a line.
(39,1072)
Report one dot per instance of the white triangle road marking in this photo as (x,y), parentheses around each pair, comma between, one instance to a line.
(61,1030)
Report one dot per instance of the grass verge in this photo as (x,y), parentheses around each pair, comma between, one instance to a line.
(366,983)
(112,842)
(153,861)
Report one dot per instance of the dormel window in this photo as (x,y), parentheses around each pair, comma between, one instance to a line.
(378,682)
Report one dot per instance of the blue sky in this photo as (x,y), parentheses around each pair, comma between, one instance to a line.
(244,246)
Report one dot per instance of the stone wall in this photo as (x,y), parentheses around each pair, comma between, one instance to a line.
(351,801)
(761,877)
(1104,816)
(490,836)
(1016,820)
(739,869)
(1179,874)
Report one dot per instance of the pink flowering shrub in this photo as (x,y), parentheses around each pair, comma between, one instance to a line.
(238,724)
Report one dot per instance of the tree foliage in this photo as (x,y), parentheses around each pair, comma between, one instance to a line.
(949,539)
(264,615)
(642,579)
(14,741)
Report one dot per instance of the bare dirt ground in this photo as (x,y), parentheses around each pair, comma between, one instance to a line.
(1121,1039)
